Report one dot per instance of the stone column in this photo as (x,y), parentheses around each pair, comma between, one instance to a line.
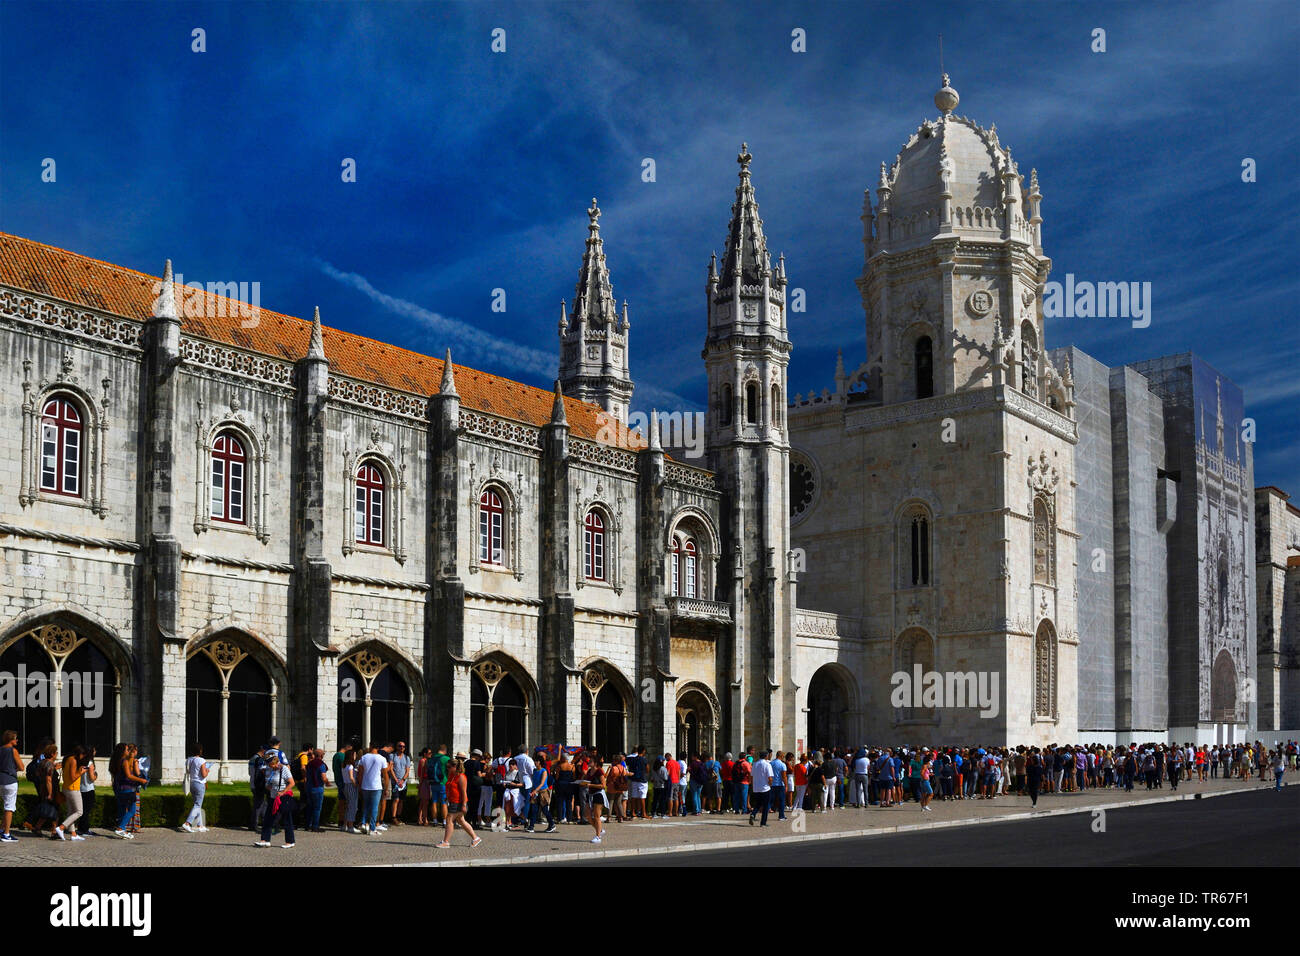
(160,697)
(656,723)
(446,672)
(559,689)
(307,698)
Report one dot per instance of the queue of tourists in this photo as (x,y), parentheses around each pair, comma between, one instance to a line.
(519,788)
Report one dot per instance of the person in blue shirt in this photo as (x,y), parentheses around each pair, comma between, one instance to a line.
(779,772)
(885,778)
(711,774)
(638,783)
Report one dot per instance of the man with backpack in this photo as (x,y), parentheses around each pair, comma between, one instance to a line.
(257,784)
(712,772)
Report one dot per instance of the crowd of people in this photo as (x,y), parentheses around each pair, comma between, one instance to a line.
(519,788)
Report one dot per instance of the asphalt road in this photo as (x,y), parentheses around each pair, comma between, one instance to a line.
(1260,828)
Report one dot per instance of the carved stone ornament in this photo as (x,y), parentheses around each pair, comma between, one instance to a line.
(593,679)
(367,663)
(490,672)
(979,303)
(59,641)
(224,654)
(1042,475)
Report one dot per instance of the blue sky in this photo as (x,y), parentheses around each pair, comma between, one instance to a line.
(474,169)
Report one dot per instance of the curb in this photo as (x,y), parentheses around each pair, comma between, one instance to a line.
(570,856)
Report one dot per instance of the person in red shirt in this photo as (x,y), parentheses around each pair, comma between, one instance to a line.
(457,794)
(741,774)
(727,764)
(675,782)
(800,780)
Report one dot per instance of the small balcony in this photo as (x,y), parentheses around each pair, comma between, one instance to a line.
(698,609)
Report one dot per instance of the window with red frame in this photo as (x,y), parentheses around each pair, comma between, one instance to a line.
(683,567)
(370,506)
(61,448)
(227,483)
(594,547)
(491,529)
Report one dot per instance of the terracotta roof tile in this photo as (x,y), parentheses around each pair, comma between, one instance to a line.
(92,283)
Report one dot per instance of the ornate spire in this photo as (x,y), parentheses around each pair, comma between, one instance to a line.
(316,344)
(593,301)
(745,256)
(557,410)
(448,377)
(165,306)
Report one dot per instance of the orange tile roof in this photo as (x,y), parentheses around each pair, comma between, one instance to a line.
(92,283)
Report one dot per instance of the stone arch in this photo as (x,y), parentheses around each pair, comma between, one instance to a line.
(63,641)
(695,522)
(599,679)
(1046,689)
(905,353)
(223,695)
(832,706)
(369,657)
(1044,535)
(699,717)
(256,465)
(94,428)
(251,642)
(491,715)
(914,646)
(1223,688)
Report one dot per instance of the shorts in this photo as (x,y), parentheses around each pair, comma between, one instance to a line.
(455,808)
(388,789)
(399,793)
(637,791)
(712,790)
(924,788)
(598,798)
(10,797)
(437,793)
(677,790)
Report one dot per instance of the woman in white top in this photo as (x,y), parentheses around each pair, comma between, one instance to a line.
(196,770)
(88,778)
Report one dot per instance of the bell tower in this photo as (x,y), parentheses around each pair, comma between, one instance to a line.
(594,336)
(746,354)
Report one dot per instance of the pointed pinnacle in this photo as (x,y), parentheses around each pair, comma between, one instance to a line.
(654,431)
(557,410)
(448,376)
(165,306)
(316,344)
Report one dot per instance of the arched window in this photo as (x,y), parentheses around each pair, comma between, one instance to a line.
(498,709)
(751,403)
(491,528)
(684,567)
(1045,671)
(227,482)
(924,367)
(225,686)
(377,707)
(370,506)
(1044,543)
(1028,360)
(777,407)
(1223,593)
(61,447)
(919,535)
(726,403)
(604,711)
(593,546)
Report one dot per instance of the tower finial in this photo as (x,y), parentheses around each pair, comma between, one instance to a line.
(744,158)
(165,305)
(593,214)
(316,344)
(448,376)
(946,99)
(557,410)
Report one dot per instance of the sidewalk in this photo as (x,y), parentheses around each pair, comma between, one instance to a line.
(414,846)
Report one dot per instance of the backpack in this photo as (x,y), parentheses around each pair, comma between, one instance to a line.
(35,771)
(714,775)
(256,765)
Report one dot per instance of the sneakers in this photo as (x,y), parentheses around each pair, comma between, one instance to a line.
(8,838)
(373,833)
(77,836)
(203,830)
(595,839)
(381,827)
(187,828)
(262,843)
(59,834)
(288,846)
(363,829)
(551,828)
(477,841)
(123,834)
